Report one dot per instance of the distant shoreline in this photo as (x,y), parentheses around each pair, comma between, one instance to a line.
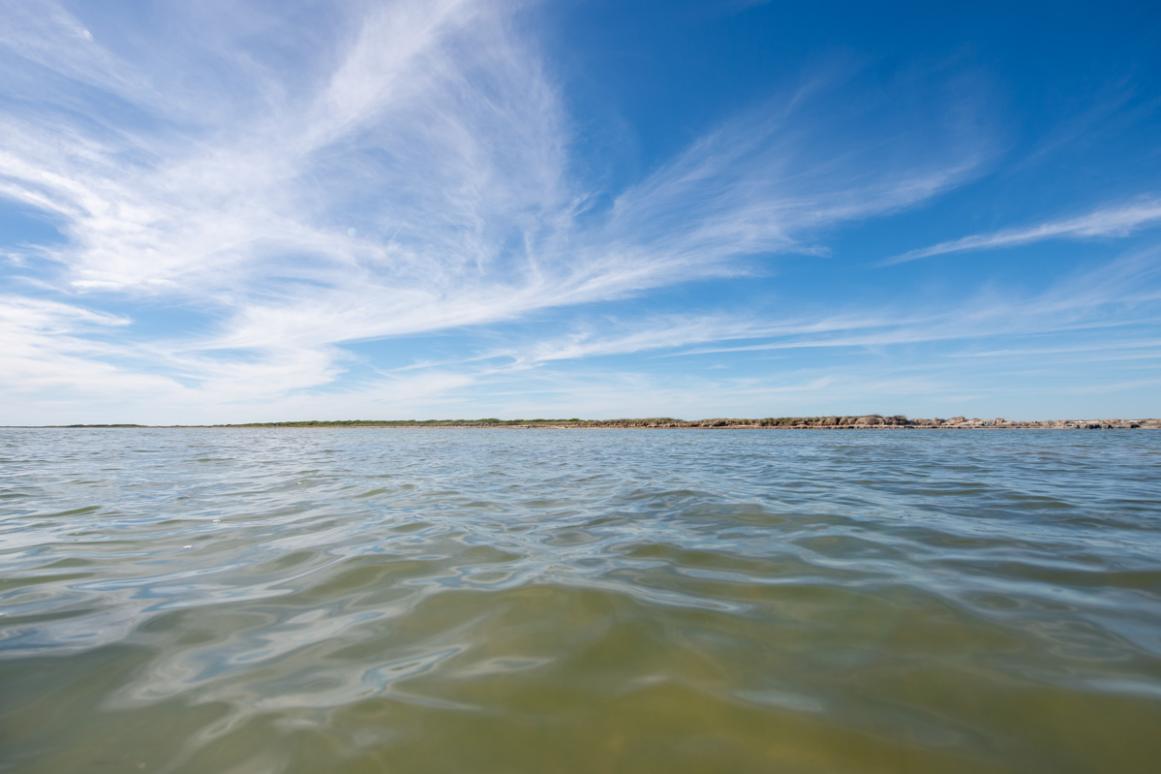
(860,422)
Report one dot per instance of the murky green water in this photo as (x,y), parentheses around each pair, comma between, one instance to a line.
(579,601)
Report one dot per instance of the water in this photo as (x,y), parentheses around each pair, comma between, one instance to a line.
(414,600)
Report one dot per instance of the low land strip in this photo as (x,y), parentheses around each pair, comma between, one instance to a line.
(852,422)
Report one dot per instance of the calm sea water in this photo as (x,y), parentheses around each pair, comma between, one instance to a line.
(409,600)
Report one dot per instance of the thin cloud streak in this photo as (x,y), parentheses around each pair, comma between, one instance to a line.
(1088,300)
(1117,221)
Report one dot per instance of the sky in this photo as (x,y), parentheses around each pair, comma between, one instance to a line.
(234,211)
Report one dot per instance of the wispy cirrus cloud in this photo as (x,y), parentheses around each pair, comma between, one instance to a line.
(1114,221)
(653,334)
(1117,293)
(410,168)
(299,181)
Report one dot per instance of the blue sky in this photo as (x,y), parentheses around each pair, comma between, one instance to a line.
(226,211)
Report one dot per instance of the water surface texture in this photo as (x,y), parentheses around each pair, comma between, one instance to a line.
(411,600)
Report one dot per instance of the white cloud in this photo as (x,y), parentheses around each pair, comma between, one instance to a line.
(411,168)
(1116,221)
(1092,299)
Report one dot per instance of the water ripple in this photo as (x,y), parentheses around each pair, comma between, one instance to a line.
(501,600)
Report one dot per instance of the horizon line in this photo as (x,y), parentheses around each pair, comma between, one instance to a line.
(822,421)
